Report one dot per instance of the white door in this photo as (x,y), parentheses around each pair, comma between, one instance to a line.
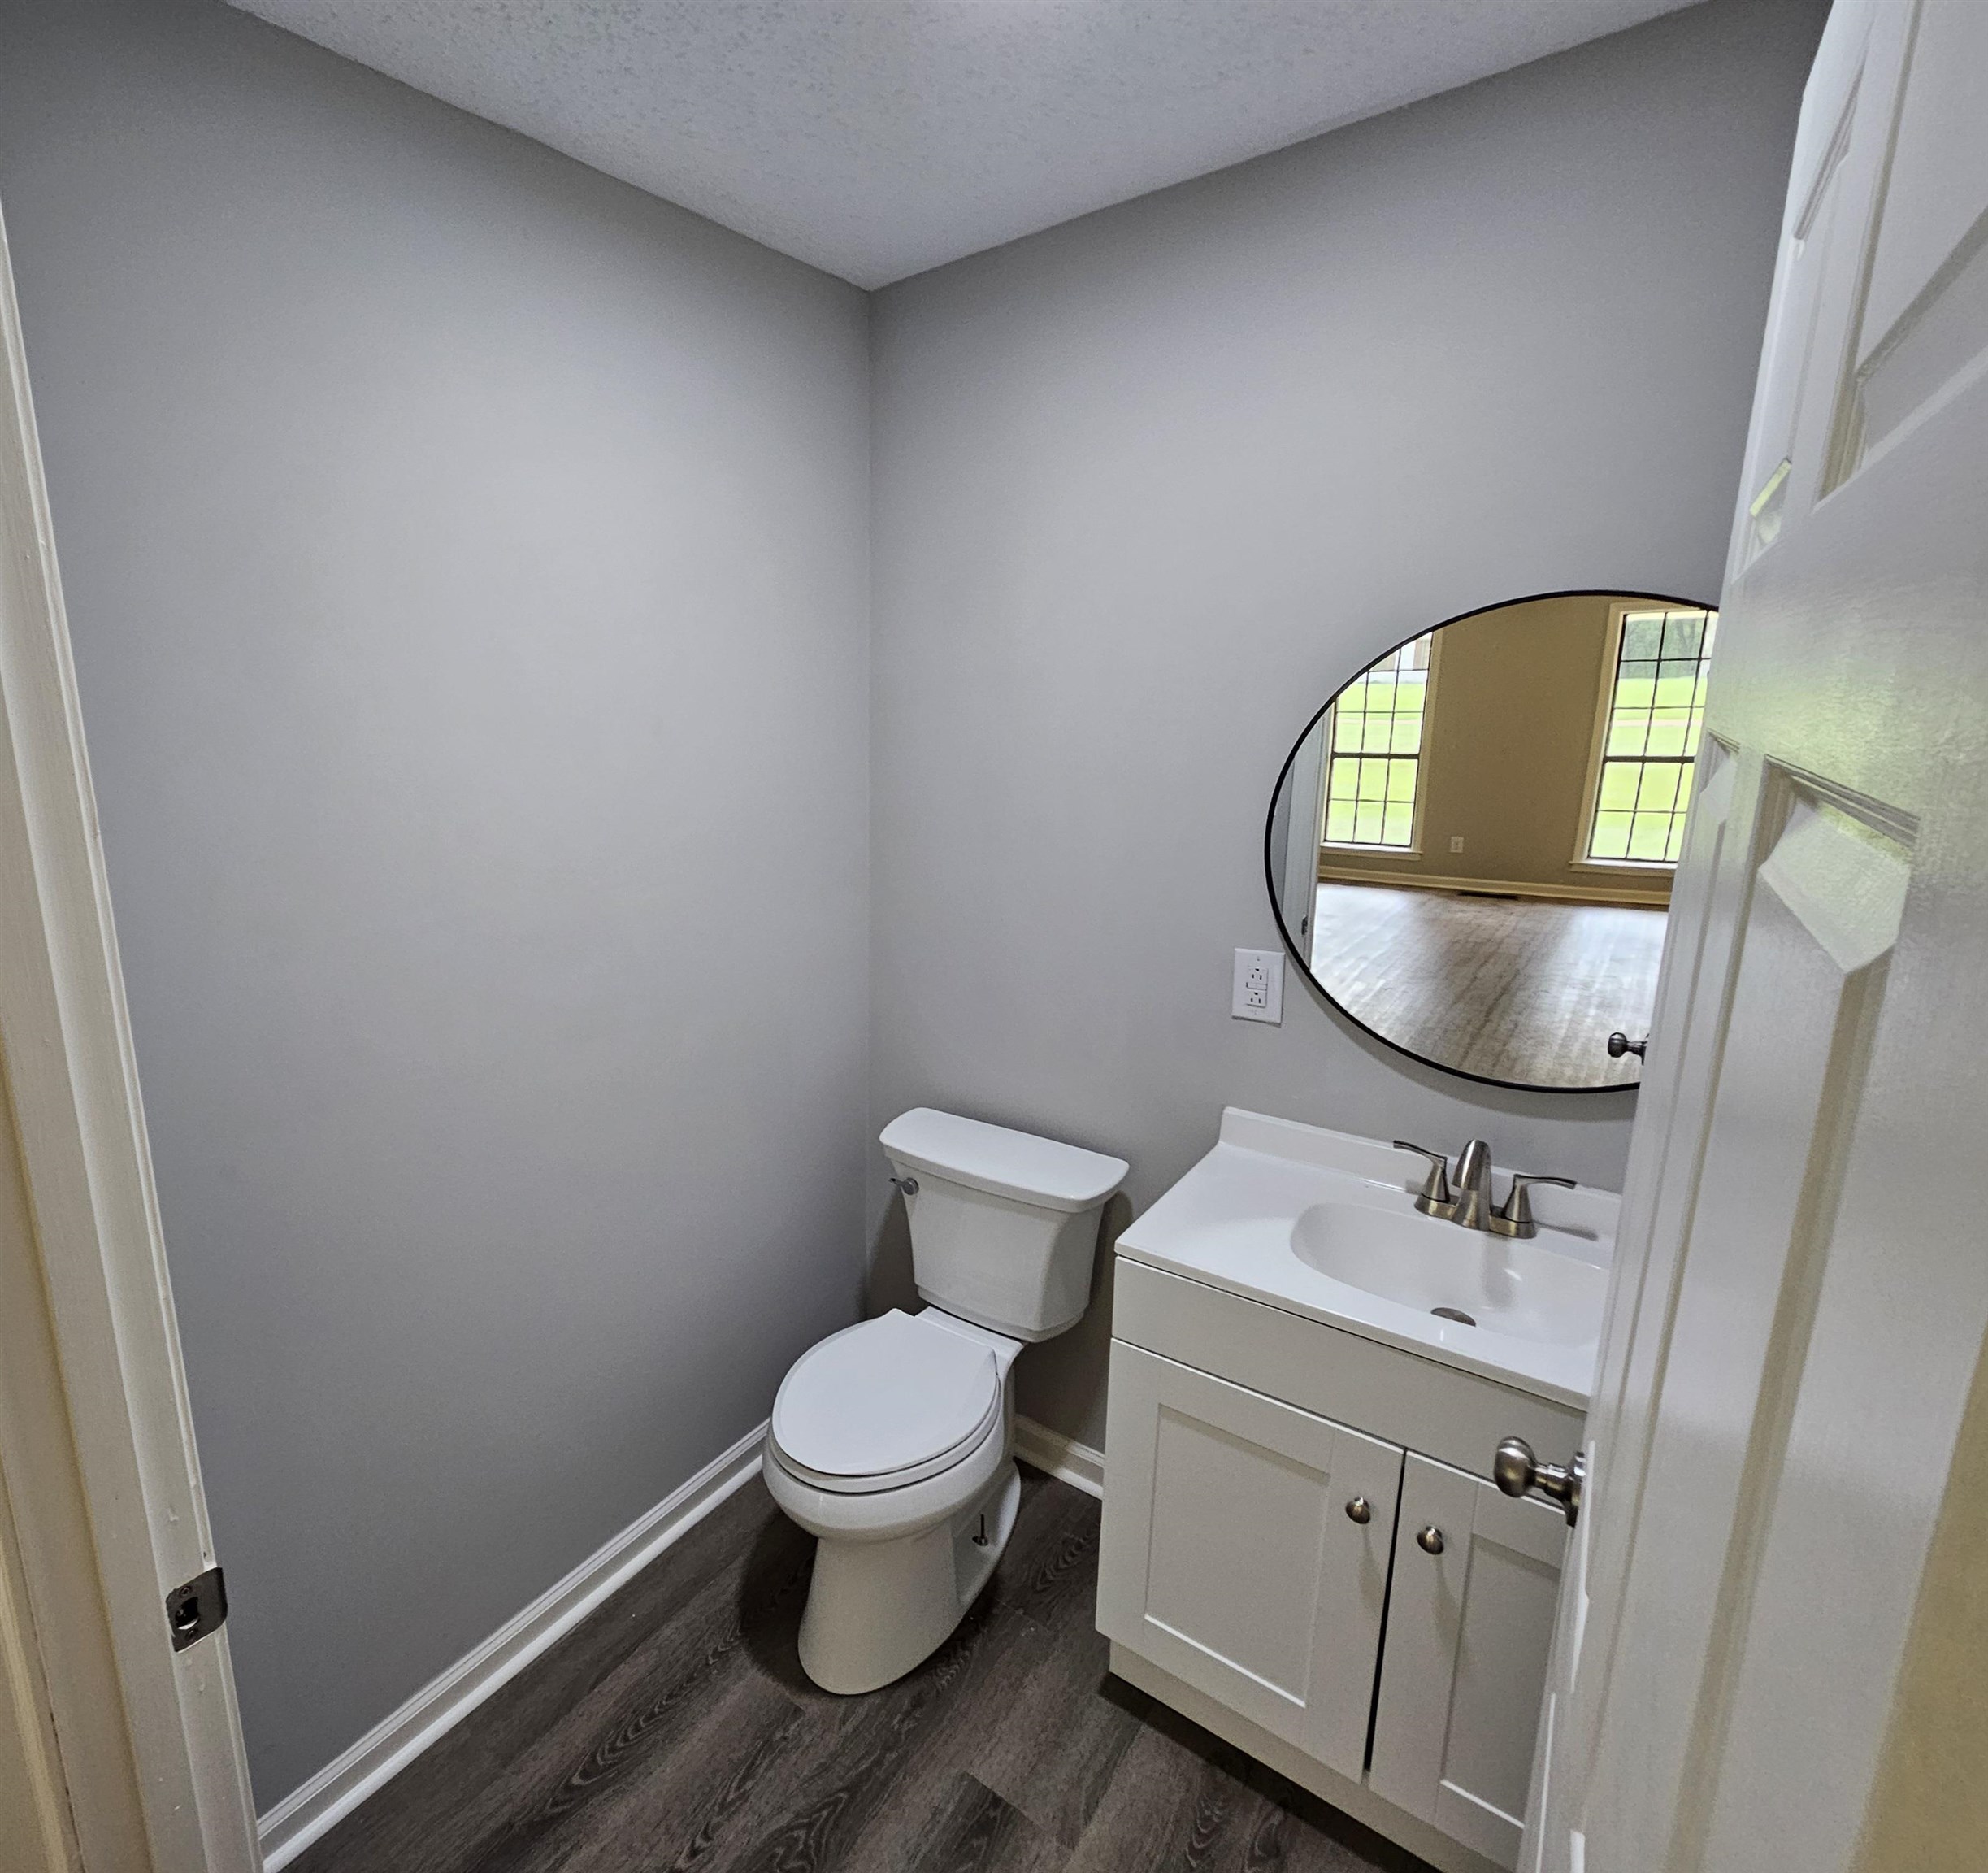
(1769,1651)
(1304,801)
(1469,1624)
(119,1747)
(1245,1550)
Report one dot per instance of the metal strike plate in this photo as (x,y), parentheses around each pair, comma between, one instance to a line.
(196,1608)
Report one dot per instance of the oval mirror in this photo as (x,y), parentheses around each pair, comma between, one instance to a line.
(1470,849)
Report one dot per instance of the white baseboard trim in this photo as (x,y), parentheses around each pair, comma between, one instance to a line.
(1601,889)
(1061,1457)
(300,1816)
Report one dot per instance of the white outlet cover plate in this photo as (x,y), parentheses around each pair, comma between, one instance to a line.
(1258,993)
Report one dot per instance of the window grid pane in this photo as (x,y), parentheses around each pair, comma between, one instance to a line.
(1376,740)
(1656,710)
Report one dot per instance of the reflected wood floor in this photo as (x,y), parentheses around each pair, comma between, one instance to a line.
(674,1730)
(1519,988)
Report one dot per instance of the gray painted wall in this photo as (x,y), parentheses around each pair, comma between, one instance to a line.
(467,560)
(1150,485)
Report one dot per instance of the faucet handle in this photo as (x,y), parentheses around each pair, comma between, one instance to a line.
(1435,1199)
(1516,1218)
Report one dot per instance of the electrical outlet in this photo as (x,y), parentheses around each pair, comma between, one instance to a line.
(1457,841)
(1259,992)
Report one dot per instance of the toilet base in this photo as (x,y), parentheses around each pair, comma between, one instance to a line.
(876,1609)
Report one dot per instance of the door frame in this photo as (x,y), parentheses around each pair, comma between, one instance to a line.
(120,1428)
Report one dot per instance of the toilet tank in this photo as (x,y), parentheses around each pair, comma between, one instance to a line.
(1003,1224)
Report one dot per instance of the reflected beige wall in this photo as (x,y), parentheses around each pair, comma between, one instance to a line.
(1505,761)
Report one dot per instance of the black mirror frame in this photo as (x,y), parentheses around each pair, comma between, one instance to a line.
(1270,824)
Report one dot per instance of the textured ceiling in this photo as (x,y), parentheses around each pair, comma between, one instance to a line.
(876,138)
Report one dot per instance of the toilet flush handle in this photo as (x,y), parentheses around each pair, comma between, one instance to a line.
(908,1186)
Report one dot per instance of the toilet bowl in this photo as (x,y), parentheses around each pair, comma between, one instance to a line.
(891,1441)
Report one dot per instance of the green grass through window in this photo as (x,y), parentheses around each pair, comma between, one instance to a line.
(1376,744)
(1656,711)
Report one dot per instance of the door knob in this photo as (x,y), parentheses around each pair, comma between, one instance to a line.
(1430,1540)
(1516,1471)
(1359,1509)
(1620,1044)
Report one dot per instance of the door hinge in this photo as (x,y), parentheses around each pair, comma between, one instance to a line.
(196,1608)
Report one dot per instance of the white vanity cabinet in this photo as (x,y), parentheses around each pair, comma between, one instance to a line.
(1302,1551)
(1469,1629)
(1237,1566)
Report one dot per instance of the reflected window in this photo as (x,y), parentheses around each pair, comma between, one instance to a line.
(1655,708)
(1375,726)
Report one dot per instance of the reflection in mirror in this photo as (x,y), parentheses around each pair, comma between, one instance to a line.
(1471,850)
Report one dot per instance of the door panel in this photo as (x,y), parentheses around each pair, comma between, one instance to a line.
(1817,243)
(1694,990)
(35,1819)
(1820,924)
(1924,318)
(1228,1558)
(1802,1302)
(74,1781)
(1468,1630)
(1840,157)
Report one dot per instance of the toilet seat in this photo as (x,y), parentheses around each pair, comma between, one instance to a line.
(886,1403)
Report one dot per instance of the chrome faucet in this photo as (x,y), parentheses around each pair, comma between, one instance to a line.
(1473,1186)
(1467,1203)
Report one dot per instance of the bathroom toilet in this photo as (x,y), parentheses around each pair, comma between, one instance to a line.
(892,1441)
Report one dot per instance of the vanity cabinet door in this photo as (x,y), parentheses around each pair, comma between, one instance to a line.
(1469,1631)
(1229,1556)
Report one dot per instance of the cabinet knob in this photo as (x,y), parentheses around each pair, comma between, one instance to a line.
(1430,1540)
(1360,1510)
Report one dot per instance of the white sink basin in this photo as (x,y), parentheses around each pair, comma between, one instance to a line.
(1497,1283)
(1323,1224)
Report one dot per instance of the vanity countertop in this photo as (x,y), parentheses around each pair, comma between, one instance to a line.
(1275,1204)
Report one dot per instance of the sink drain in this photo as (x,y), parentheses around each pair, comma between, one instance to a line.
(1456,1314)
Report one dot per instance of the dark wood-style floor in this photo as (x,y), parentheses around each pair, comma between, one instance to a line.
(1519,988)
(674,1730)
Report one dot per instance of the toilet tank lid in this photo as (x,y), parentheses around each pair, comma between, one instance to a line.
(991,1157)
